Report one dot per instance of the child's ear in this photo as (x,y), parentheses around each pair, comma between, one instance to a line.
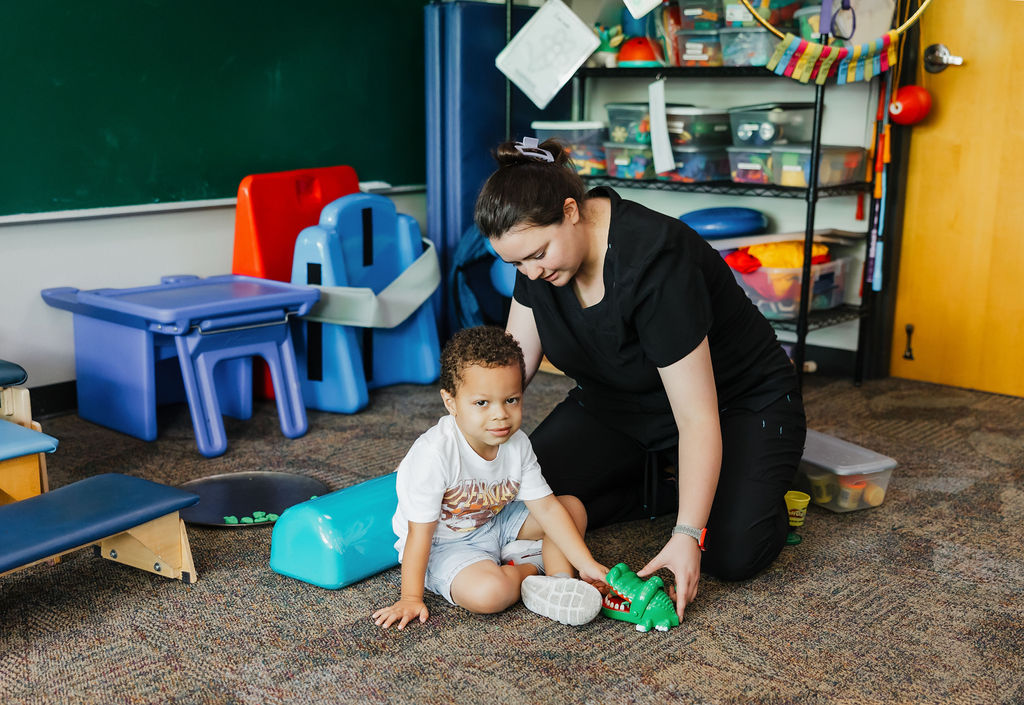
(449,401)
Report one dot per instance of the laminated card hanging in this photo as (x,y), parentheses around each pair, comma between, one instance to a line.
(547,51)
(664,159)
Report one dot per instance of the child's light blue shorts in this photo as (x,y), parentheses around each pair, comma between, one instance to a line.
(483,544)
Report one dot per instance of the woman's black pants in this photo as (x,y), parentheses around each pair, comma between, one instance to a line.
(580,455)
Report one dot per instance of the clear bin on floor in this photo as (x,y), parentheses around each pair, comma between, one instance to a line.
(842,476)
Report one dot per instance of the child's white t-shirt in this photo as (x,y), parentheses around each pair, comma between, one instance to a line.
(443,479)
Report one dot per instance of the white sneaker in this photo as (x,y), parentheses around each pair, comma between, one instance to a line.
(523,551)
(566,600)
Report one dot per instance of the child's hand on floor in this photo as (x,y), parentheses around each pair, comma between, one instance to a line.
(404,611)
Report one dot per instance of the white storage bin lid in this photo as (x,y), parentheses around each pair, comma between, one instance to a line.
(771,107)
(747,30)
(645,106)
(733,149)
(567,125)
(842,457)
(806,148)
(689,110)
(714,149)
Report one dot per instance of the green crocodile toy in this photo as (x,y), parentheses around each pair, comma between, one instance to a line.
(642,602)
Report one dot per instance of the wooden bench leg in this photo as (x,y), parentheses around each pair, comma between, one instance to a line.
(159,546)
(19,477)
(44,480)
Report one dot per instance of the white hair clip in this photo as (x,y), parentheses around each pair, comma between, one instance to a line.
(528,147)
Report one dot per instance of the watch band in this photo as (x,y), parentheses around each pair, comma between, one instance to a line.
(696,534)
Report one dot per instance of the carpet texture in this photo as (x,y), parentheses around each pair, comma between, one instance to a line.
(918,600)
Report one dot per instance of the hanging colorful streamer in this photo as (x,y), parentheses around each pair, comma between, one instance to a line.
(806,61)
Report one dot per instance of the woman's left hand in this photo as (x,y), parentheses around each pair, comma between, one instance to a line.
(681,555)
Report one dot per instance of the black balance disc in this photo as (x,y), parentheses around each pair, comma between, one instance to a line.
(244,499)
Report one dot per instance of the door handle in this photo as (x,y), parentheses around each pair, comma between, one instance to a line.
(908,352)
(937,57)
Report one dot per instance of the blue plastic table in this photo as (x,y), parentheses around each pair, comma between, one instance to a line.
(127,342)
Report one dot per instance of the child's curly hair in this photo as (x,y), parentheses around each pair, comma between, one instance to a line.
(487,346)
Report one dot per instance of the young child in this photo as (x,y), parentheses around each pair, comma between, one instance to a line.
(473,505)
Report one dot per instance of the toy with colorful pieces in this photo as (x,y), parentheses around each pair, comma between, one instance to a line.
(641,602)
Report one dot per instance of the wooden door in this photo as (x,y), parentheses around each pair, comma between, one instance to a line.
(961,272)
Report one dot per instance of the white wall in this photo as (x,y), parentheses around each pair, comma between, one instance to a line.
(115,251)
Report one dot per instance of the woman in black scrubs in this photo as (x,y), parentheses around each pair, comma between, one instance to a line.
(670,358)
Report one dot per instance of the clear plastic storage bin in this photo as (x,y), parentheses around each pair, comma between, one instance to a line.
(750,165)
(628,160)
(842,476)
(746,46)
(699,47)
(629,122)
(698,164)
(734,14)
(776,290)
(791,165)
(698,126)
(582,139)
(700,14)
(771,123)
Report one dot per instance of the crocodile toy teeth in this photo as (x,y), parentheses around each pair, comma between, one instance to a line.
(642,602)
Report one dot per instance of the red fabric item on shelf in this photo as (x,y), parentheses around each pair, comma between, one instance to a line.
(742,261)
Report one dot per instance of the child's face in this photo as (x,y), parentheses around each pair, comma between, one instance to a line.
(487,406)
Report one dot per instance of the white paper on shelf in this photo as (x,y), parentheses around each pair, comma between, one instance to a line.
(639,8)
(547,51)
(664,160)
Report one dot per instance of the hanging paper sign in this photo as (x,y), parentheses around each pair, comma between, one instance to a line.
(639,8)
(547,51)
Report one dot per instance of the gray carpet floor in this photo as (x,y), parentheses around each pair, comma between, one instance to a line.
(918,600)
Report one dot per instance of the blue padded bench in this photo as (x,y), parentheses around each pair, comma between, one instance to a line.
(130,520)
(22,473)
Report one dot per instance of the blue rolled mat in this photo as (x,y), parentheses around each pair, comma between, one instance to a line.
(711,223)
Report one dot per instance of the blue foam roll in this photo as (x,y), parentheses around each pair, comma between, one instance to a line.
(713,223)
(339,538)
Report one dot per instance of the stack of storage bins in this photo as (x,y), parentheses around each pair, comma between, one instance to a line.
(771,145)
(698,137)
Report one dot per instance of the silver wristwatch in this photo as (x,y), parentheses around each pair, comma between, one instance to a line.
(696,534)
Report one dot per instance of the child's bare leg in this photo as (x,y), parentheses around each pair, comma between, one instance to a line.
(487,588)
(555,561)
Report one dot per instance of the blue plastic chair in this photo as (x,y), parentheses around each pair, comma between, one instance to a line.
(374,325)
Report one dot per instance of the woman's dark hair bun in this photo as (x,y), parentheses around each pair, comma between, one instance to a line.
(507,154)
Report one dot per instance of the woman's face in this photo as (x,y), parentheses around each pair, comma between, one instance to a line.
(553,253)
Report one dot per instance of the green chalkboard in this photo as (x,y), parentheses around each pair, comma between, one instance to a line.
(120,102)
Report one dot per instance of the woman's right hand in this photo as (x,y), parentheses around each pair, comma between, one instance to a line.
(403,612)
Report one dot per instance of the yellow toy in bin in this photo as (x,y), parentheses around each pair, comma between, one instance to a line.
(796,504)
(843,476)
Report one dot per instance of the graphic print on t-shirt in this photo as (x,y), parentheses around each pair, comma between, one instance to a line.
(472,503)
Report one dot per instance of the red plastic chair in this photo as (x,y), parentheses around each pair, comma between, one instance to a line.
(272,210)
